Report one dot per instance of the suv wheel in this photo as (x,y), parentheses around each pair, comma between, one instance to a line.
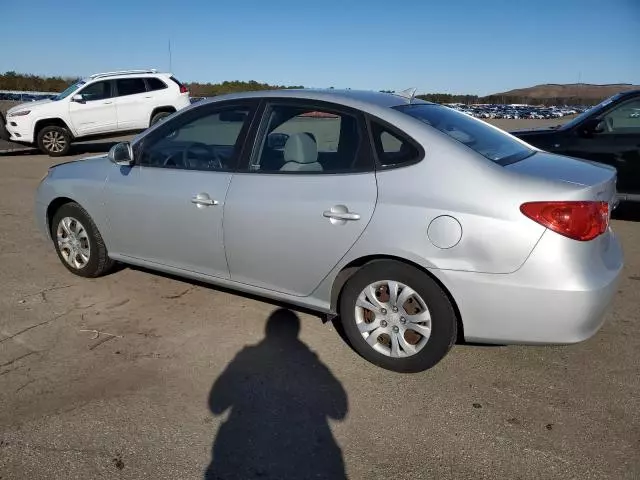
(397,317)
(54,141)
(158,117)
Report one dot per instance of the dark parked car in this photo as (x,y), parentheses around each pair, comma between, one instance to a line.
(607,133)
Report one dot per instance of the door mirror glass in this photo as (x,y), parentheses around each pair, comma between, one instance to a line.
(277,141)
(78,98)
(121,154)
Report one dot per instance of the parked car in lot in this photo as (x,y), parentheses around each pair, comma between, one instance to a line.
(102,105)
(607,133)
(409,220)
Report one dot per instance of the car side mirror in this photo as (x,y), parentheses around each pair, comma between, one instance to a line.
(121,154)
(592,127)
(277,141)
(78,98)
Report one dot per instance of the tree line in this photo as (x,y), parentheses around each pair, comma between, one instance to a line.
(35,83)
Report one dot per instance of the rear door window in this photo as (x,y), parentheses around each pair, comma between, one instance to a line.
(311,139)
(130,86)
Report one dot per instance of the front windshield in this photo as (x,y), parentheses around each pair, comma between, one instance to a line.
(590,111)
(475,134)
(69,90)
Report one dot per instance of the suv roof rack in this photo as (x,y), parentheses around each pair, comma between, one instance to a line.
(121,72)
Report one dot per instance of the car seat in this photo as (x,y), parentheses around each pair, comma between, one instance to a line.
(301,154)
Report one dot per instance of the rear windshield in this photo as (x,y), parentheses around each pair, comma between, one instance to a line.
(176,81)
(475,134)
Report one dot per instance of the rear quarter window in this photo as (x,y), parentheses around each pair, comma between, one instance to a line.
(392,148)
(155,84)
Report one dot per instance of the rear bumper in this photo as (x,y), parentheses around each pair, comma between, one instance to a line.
(557,297)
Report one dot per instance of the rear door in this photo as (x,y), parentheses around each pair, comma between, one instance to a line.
(303,197)
(167,209)
(133,103)
(96,112)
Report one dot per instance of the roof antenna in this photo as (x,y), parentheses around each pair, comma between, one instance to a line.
(409,93)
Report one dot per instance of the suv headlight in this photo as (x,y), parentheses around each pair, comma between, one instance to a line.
(21,113)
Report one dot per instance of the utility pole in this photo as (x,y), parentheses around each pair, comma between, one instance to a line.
(170,67)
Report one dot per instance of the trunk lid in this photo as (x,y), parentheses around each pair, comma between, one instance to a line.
(598,180)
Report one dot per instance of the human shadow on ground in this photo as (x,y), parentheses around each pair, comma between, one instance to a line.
(280,396)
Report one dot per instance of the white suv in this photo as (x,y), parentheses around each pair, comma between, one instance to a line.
(104,104)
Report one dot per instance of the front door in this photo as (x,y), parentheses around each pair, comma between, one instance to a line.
(96,112)
(302,199)
(618,144)
(167,209)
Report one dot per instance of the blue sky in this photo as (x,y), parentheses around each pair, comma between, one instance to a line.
(455,46)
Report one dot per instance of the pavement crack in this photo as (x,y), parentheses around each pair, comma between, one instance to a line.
(44,448)
(43,293)
(118,304)
(178,295)
(16,359)
(100,342)
(24,330)
(24,385)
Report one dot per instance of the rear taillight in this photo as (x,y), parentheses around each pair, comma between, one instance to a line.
(183,89)
(577,220)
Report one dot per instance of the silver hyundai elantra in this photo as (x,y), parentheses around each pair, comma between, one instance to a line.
(416,224)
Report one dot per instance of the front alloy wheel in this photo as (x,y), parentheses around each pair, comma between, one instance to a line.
(78,242)
(54,141)
(73,243)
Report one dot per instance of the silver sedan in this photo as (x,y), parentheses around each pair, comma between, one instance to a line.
(415,224)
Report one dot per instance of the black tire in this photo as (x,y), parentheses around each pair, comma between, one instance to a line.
(157,117)
(54,141)
(4,135)
(99,262)
(443,317)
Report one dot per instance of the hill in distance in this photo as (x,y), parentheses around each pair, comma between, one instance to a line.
(570,90)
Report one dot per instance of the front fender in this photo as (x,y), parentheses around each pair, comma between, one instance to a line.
(81,181)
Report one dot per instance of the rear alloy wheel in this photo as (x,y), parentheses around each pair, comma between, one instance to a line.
(158,117)
(54,141)
(397,317)
(78,242)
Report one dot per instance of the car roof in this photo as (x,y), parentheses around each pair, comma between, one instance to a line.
(351,98)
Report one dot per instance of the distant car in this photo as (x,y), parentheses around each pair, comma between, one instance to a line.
(608,133)
(408,219)
(104,104)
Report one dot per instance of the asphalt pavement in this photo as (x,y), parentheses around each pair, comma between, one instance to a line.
(139,375)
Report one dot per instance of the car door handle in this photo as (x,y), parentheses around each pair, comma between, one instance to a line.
(337,215)
(203,200)
(107,103)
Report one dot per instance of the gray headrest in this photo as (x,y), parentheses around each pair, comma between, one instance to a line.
(300,148)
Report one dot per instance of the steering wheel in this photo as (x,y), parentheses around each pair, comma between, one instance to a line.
(609,124)
(214,161)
